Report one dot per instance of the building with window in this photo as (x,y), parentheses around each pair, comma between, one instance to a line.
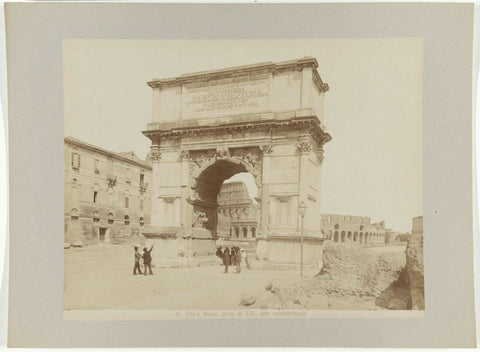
(107,194)
(347,228)
(238,214)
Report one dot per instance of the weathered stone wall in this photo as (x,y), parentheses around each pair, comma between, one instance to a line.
(233,193)
(236,208)
(414,267)
(391,236)
(87,232)
(408,292)
(347,228)
(417,224)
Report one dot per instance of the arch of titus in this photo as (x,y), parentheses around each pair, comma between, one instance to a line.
(265,119)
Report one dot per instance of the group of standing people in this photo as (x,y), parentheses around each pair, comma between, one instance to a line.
(147,261)
(232,257)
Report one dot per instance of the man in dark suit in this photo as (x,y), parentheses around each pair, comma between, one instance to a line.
(147,260)
(226,258)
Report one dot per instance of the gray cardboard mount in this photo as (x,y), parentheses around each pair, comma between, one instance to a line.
(34,57)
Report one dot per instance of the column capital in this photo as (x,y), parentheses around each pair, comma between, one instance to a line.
(304,147)
(185,155)
(266,149)
(154,154)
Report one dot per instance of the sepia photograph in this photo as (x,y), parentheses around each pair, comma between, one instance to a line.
(240,175)
(277,177)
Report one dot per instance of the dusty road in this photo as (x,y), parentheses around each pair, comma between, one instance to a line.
(101,278)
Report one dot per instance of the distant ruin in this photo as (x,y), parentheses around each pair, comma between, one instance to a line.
(240,214)
(346,228)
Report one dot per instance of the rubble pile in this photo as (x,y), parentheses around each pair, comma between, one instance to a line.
(283,294)
(397,295)
(415,271)
(352,277)
(350,270)
(407,292)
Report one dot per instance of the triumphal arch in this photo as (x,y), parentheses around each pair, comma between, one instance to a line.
(265,119)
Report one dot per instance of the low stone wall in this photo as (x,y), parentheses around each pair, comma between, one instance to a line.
(170,247)
(86,232)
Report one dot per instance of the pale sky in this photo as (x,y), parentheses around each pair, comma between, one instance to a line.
(373,164)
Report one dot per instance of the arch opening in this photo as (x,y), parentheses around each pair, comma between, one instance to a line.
(226,193)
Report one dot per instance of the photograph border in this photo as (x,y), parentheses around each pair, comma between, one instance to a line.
(34,57)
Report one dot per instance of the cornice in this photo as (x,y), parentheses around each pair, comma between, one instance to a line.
(322,87)
(77,143)
(238,71)
(310,122)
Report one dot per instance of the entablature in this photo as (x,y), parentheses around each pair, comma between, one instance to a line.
(308,124)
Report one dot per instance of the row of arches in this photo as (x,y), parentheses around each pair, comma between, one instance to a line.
(355,236)
(74,216)
(237,212)
(243,232)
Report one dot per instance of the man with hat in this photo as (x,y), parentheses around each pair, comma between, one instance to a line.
(147,260)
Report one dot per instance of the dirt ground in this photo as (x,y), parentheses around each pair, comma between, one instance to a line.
(100,277)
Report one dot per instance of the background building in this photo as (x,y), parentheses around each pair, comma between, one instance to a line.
(107,196)
(417,225)
(237,214)
(343,228)
(391,236)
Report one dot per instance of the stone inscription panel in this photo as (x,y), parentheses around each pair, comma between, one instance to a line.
(224,99)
